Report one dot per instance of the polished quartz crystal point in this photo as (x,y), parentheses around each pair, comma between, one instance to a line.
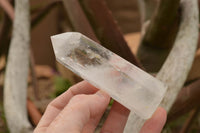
(123,81)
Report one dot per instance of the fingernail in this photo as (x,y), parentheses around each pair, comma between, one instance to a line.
(102,94)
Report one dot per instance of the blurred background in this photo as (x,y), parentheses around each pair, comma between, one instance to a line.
(142,32)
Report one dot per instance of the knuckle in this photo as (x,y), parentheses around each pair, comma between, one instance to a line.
(78,98)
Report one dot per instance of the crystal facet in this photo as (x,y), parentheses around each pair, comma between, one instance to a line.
(123,81)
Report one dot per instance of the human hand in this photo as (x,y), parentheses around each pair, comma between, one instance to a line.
(79,110)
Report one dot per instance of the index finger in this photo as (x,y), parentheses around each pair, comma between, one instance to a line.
(57,105)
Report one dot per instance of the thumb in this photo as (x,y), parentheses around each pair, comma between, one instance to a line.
(156,123)
(78,112)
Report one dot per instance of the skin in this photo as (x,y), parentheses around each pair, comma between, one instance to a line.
(79,110)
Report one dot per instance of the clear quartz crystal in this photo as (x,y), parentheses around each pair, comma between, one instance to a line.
(123,81)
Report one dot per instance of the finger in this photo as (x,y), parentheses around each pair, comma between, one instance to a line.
(156,122)
(116,120)
(60,102)
(78,112)
(92,124)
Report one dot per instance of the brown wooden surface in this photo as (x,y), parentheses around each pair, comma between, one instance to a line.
(78,19)
(34,113)
(187,99)
(126,13)
(106,29)
(163,26)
